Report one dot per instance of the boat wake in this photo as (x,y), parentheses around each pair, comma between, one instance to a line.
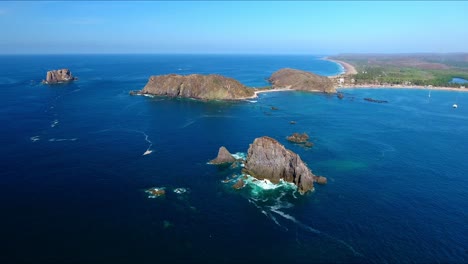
(148,150)
(62,139)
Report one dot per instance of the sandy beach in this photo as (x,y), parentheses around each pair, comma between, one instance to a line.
(348,68)
(267,91)
(374,86)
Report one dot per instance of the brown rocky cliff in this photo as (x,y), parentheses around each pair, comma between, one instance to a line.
(59,76)
(223,157)
(301,80)
(205,87)
(268,159)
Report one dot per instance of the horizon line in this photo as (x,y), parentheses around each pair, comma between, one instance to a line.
(227,53)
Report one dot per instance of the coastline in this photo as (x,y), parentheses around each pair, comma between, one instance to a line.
(348,69)
(266,91)
(375,86)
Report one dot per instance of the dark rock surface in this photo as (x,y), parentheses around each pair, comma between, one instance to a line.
(320,179)
(375,100)
(59,76)
(298,138)
(204,87)
(223,157)
(268,159)
(301,80)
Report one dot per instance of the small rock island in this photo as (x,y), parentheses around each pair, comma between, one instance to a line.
(59,76)
(217,87)
(224,156)
(302,139)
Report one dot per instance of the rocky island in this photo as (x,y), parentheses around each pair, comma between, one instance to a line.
(223,157)
(267,159)
(59,76)
(302,139)
(301,80)
(217,87)
(197,86)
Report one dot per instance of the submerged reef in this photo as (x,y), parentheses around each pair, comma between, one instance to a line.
(302,139)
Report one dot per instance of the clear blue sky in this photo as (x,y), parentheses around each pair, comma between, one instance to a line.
(233,27)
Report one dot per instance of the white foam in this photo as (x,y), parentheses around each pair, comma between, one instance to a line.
(35,138)
(267,214)
(180,190)
(54,123)
(251,101)
(313,230)
(266,184)
(240,155)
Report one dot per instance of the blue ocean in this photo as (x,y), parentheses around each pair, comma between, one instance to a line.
(73,175)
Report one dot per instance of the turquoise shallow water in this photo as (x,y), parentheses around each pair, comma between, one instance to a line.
(73,175)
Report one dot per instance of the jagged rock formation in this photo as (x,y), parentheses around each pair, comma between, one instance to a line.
(301,80)
(59,76)
(268,159)
(205,87)
(223,157)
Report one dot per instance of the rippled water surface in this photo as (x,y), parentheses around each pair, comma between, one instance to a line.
(73,173)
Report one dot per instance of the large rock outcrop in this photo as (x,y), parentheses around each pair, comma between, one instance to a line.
(59,76)
(301,80)
(223,157)
(268,159)
(205,87)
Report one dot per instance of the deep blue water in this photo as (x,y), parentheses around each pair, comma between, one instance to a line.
(73,175)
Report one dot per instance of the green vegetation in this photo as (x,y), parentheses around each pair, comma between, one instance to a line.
(408,69)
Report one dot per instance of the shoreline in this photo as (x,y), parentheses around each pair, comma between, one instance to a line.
(414,87)
(266,91)
(348,69)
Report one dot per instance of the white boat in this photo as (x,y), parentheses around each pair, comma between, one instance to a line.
(147,152)
(454,105)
